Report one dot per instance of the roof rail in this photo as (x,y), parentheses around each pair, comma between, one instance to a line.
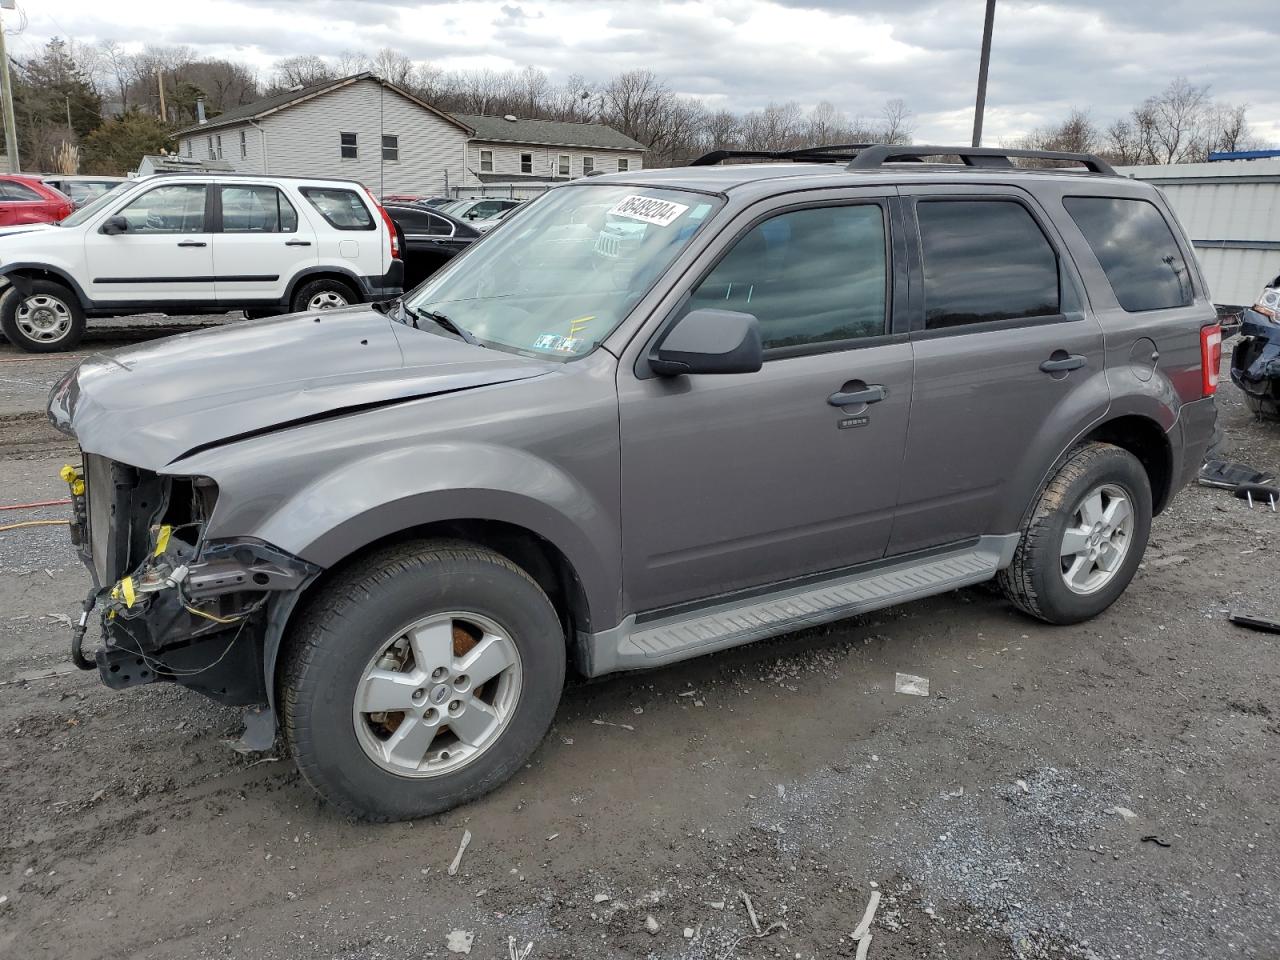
(827,152)
(879,154)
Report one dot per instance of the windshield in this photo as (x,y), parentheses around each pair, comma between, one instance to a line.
(89,209)
(453,206)
(559,277)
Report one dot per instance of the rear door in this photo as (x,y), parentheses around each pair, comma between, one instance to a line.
(20,204)
(735,481)
(1009,363)
(165,254)
(262,245)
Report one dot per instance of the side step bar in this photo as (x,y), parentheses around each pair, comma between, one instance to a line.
(636,646)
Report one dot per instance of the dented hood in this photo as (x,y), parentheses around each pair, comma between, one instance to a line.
(151,405)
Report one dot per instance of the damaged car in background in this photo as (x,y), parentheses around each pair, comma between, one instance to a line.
(1255,360)
(657,414)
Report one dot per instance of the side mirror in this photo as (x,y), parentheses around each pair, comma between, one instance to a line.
(114,225)
(709,341)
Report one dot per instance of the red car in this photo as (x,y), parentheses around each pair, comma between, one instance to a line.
(27,200)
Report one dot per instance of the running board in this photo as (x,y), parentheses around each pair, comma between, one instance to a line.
(636,646)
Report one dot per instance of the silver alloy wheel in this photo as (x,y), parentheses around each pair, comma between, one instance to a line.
(1097,541)
(43,318)
(437,695)
(326,300)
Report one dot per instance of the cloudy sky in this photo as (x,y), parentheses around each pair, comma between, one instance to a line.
(1100,55)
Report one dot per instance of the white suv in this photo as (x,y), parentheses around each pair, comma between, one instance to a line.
(183,243)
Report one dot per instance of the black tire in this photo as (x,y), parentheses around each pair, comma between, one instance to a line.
(325,285)
(346,624)
(49,296)
(1034,581)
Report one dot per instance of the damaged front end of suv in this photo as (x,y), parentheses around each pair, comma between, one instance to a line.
(1255,361)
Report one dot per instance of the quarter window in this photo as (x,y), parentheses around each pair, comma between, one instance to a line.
(984,260)
(526,163)
(175,208)
(810,277)
(348,147)
(486,161)
(257,208)
(390,147)
(341,209)
(1136,249)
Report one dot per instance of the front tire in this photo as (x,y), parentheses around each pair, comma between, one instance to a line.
(45,318)
(1083,542)
(422,677)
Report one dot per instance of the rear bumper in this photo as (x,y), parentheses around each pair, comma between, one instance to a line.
(385,287)
(1191,436)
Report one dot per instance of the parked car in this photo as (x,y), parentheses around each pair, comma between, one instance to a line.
(415,198)
(654,416)
(83,189)
(428,239)
(1255,359)
(199,243)
(25,200)
(478,208)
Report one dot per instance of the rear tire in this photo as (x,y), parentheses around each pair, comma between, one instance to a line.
(323,294)
(372,639)
(1083,542)
(45,318)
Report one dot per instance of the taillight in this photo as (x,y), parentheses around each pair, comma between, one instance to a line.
(1210,358)
(391,227)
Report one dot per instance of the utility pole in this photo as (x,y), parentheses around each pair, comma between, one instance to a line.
(981,105)
(6,94)
(164,114)
(70,129)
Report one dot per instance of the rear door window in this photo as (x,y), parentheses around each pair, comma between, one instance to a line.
(984,260)
(342,209)
(412,222)
(810,277)
(257,208)
(12,190)
(1136,249)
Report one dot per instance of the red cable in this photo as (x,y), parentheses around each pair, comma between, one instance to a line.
(38,503)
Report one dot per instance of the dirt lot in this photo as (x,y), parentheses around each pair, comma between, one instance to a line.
(986,814)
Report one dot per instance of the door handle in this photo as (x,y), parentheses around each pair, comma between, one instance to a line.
(1073,361)
(192,243)
(873,393)
(297,243)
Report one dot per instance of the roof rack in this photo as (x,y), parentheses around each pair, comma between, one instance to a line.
(827,152)
(998,157)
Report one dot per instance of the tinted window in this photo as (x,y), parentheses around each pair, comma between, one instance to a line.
(12,190)
(1137,251)
(439,226)
(409,220)
(813,276)
(257,209)
(177,208)
(343,209)
(984,260)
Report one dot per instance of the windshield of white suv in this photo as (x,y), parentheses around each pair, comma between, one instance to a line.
(566,270)
(89,209)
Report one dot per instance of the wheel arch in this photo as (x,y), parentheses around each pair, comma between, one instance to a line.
(347,277)
(18,273)
(1149,443)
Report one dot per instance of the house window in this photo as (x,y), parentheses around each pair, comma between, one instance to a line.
(189,142)
(563,166)
(624,165)
(588,164)
(486,161)
(526,163)
(218,140)
(348,147)
(211,153)
(390,147)
(244,146)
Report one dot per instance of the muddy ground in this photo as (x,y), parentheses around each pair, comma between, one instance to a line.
(789,771)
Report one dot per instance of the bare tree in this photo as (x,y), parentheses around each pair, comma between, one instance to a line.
(350,62)
(897,121)
(301,70)
(117,70)
(393,66)
(1177,121)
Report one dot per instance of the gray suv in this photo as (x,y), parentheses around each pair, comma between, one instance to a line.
(658,414)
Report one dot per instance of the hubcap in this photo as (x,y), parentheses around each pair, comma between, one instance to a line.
(327,300)
(44,318)
(1097,539)
(437,695)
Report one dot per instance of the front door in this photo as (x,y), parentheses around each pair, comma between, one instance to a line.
(262,245)
(164,254)
(738,481)
(1009,364)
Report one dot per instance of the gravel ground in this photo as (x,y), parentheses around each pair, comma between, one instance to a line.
(1005,815)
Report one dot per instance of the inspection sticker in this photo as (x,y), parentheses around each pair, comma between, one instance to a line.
(662,213)
(557,344)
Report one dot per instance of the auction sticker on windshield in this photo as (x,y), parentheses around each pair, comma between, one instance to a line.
(661,213)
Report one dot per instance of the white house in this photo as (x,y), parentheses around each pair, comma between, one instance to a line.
(363,128)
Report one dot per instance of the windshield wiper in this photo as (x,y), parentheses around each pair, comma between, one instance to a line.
(440,320)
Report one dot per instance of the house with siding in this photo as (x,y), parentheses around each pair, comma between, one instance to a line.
(363,128)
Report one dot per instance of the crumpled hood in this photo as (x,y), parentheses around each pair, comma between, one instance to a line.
(151,405)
